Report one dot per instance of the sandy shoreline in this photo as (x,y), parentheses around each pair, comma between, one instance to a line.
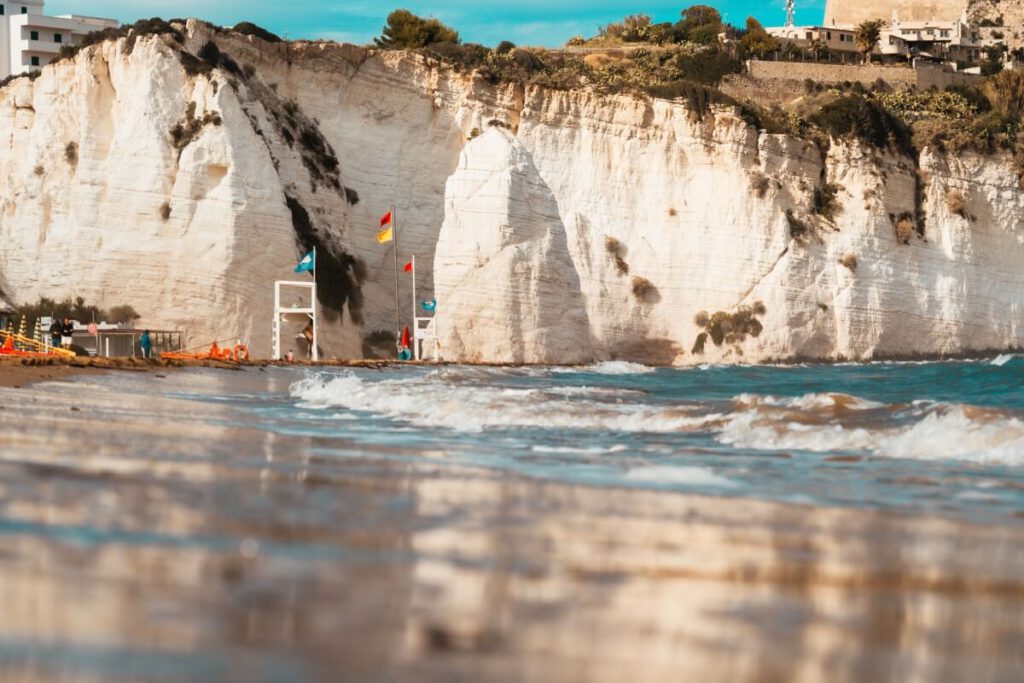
(231,540)
(19,372)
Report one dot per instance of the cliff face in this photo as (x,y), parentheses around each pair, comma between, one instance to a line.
(854,12)
(576,227)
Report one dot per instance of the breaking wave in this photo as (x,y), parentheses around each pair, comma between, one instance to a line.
(817,422)
(462,407)
(835,422)
(611,367)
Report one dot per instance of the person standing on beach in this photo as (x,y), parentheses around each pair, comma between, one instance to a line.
(146,344)
(55,332)
(67,330)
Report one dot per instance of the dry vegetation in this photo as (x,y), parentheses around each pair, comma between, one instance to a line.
(956,202)
(727,328)
(905,227)
(617,251)
(759,184)
(645,291)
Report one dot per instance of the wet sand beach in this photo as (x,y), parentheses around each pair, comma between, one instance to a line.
(150,536)
(17,372)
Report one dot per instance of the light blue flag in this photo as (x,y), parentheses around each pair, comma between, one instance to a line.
(307,264)
(429,305)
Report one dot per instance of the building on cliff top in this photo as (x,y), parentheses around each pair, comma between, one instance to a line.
(30,40)
(935,40)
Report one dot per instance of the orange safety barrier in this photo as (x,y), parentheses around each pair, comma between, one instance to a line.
(30,347)
(239,353)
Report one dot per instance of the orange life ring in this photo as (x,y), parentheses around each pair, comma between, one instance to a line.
(241,352)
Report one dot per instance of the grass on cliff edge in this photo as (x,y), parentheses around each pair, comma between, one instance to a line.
(686,67)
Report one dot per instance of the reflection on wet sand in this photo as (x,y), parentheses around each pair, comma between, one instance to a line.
(154,540)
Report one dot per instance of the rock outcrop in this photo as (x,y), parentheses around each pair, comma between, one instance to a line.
(576,227)
(502,267)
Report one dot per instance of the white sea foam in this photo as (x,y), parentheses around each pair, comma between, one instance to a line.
(611,367)
(809,402)
(427,402)
(1003,359)
(938,432)
(815,422)
(692,476)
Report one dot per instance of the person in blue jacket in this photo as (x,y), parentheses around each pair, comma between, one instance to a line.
(146,344)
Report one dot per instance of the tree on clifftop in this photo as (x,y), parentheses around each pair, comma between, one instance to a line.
(700,24)
(757,40)
(406,31)
(866,36)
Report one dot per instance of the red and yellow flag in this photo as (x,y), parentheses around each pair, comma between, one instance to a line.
(386,231)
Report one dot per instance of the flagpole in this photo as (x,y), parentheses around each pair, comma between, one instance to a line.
(398,314)
(314,353)
(415,325)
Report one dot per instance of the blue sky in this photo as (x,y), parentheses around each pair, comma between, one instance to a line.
(532,22)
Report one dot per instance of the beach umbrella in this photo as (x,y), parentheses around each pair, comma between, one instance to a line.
(38,336)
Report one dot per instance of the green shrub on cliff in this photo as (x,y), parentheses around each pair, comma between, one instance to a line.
(854,116)
(247,28)
(635,28)
(406,31)
(142,27)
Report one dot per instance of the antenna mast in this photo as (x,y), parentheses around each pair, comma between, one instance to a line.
(790,13)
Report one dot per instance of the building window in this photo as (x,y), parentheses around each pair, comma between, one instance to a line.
(58,38)
(33,35)
(24,10)
(828,35)
(1,9)
(35,61)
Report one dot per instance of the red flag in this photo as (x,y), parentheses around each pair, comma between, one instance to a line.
(406,342)
(408,267)
(385,219)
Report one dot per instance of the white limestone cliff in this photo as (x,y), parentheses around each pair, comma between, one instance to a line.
(578,227)
(502,262)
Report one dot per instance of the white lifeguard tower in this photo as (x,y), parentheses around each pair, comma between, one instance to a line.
(424,332)
(284,313)
(425,339)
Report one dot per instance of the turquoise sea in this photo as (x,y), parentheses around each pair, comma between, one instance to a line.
(417,523)
(943,438)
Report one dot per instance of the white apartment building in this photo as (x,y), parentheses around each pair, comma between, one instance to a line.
(950,41)
(30,40)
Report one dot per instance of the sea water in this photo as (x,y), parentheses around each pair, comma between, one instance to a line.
(924,437)
(819,522)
